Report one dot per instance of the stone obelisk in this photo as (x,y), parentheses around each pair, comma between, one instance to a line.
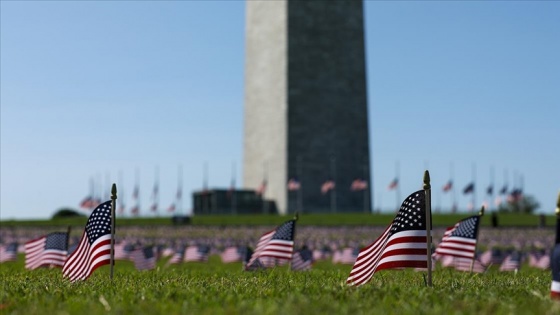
(306,103)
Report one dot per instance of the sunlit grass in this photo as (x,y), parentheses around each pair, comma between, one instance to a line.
(216,288)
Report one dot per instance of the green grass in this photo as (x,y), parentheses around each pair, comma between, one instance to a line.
(354,219)
(216,288)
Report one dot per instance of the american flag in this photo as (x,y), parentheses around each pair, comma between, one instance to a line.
(171,208)
(464,264)
(468,189)
(144,258)
(460,239)
(302,260)
(135,210)
(358,184)
(490,189)
(262,188)
(346,256)
(403,243)
(177,258)
(504,190)
(539,260)
(393,184)
(50,249)
(294,184)
(233,254)
(94,249)
(277,244)
(493,256)
(447,187)
(123,251)
(512,262)
(196,253)
(8,252)
(327,186)
(88,203)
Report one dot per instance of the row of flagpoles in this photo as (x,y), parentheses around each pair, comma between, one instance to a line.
(328,187)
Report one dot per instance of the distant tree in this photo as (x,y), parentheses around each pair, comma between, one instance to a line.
(522,204)
(67,213)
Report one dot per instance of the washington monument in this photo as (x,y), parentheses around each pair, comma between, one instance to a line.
(306,112)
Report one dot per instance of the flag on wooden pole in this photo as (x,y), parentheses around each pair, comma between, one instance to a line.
(94,248)
(402,244)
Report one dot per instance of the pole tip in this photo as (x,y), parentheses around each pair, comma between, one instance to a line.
(481,212)
(427,180)
(114,191)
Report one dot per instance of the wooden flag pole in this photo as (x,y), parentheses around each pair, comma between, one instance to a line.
(113,204)
(427,191)
(296,217)
(480,214)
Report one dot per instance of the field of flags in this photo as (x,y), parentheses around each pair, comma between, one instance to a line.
(403,244)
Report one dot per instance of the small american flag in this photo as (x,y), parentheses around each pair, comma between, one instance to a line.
(539,260)
(403,243)
(460,239)
(447,187)
(196,253)
(464,264)
(123,251)
(302,260)
(358,184)
(135,210)
(327,186)
(262,188)
(468,189)
(171,208)
(8,252)
(512,262)
(233,254)
(294,184)
(277,244)
(50,249)
(177,257)
(94,249)
(346,256)
(88,203)
(144,258)
(392,185)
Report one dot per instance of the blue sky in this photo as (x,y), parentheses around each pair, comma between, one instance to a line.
(91,89)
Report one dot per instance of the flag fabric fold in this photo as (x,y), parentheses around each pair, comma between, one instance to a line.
(94,248)
(403,244)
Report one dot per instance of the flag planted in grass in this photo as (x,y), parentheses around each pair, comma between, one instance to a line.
(460,239)
(302,260)
(197,253)
(8,252)
(512,262)
(48,250)
(144,258)
(94,249)
(403,243)
(277,244)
